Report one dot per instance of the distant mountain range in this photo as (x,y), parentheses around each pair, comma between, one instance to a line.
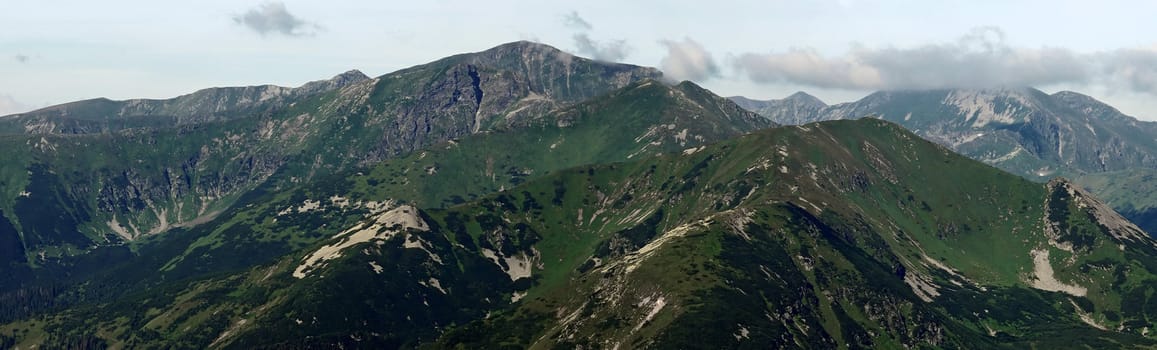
(1023,131)
(522,197)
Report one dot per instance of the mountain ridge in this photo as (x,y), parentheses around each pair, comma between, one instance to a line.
(1021,130)
(210,104)
(100,178)
(523,197)
(841,232)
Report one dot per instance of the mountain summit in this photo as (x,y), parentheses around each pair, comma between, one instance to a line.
(798,108)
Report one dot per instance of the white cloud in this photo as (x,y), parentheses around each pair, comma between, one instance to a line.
(8,105)
(979,59)
(575,21)
(687,60)
(1131,69)
(274,18)
(607,51)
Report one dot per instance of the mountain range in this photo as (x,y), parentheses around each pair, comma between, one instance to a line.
(91,174)
(522,197)
(1021,130)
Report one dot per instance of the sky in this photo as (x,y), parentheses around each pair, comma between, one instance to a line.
(57,51)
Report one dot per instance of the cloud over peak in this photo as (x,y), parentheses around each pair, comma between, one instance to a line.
(687,60)
(273,18)
(1135,69)
(608,51)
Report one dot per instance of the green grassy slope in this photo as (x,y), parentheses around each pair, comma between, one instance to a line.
(839,234)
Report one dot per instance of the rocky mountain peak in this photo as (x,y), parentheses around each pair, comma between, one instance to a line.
(805,98)
(347,78)
(1088,106)
(343,80)
(1112,223)
(524,46)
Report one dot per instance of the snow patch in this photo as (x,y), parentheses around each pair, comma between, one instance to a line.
(816,207)
(518,266)
(413,242)
(339,201)
(308,206)
(1086,317)
(761,164)
(656,305)
(681,137)
(693,150)
(738,221)
(1006,157)
(1044,278)
(115,226)
(967,139)
(743,333)
(922,285)
(434,283)
(635,258)
(384,226)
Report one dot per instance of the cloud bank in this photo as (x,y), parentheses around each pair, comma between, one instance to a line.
(608,51)
(687,60)
(273,18)
(979,59)
(1134,69)
(8,105)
